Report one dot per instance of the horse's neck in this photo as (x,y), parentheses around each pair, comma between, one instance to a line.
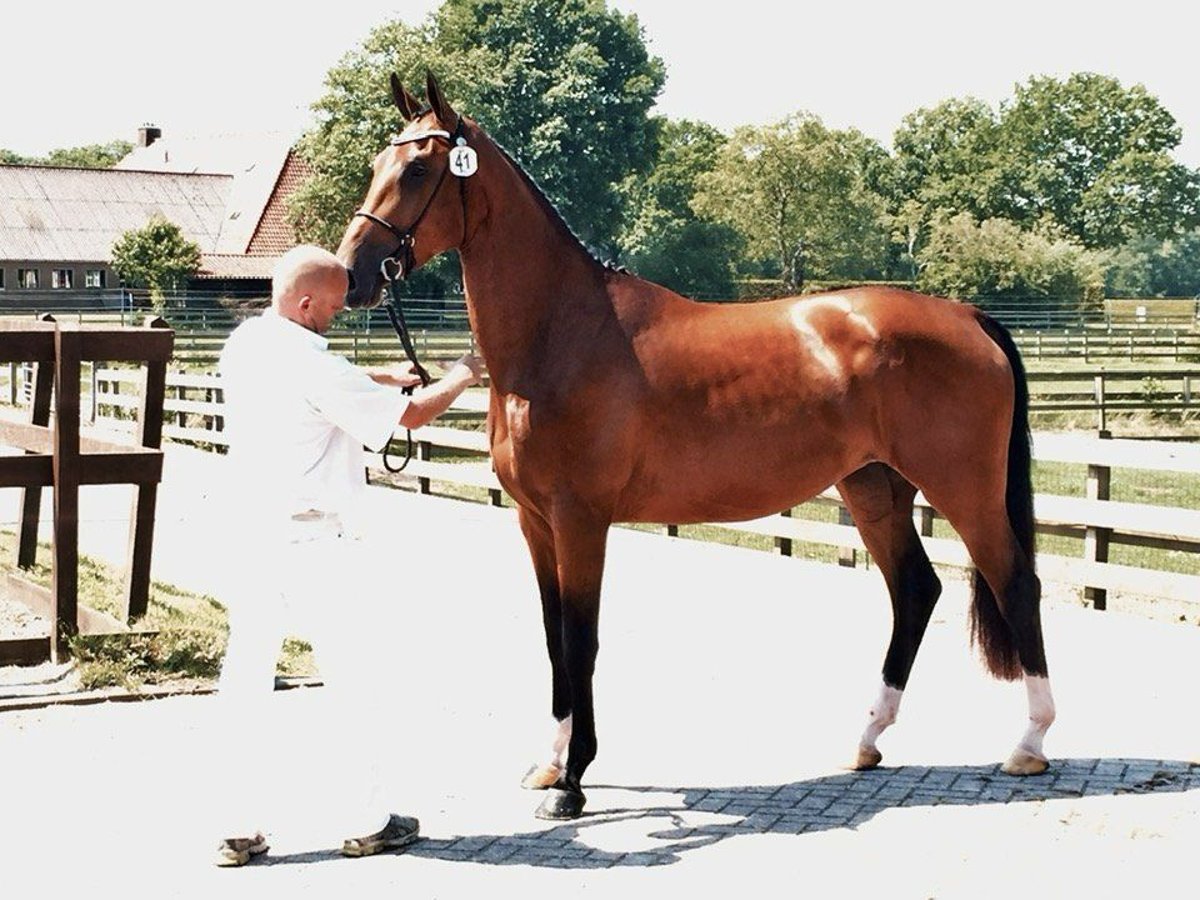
(521,270)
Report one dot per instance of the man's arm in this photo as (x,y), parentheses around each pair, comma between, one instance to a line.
(428,403)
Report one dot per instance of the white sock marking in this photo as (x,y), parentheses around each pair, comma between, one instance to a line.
(883,713)
(1041,713)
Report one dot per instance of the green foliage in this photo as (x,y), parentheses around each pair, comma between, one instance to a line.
(156,256)
(90,156)
(570,87)
(664,239)
(800,195)
(564,86)
(1082,154)
(1149,267)
(995,259)
(1094,157)
(946,161)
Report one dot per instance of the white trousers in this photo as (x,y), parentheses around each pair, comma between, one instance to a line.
(313,583)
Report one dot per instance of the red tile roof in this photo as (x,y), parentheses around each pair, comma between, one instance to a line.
(274,235)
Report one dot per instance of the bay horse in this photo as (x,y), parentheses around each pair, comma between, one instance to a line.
(613,399)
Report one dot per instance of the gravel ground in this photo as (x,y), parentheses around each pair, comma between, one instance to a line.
(18,621)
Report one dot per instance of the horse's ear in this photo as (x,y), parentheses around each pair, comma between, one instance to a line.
(405,102)
(446,115)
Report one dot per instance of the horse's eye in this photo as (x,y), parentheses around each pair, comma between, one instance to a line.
(416,169)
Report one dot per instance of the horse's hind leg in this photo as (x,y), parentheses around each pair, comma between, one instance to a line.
(881,502)
(541,548)
(1005,618)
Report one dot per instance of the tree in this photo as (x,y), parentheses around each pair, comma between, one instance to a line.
(997,260)
(664,239)
(1094,157)
(90,156)
(799,195)
(156,256)
(1148,267)
(946,161)
(563,85)
(571,88)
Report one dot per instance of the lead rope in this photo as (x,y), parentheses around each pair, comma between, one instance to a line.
(395,313)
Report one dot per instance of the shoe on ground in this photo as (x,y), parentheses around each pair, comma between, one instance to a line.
(237,851)
(400,831)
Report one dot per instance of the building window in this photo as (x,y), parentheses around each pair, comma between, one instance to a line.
(93,278)
(27,278)
(1,279)
(60,279)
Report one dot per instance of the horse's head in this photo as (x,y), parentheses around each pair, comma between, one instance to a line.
(414,208)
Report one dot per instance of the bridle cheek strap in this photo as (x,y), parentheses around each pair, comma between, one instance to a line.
(397,266)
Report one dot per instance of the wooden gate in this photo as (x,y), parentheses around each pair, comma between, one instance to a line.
(56,455)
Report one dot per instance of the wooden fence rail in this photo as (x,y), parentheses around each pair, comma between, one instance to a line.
(193,411)
(199,347)
(1100,392)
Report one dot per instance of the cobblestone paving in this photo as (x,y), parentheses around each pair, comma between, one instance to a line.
(837,801)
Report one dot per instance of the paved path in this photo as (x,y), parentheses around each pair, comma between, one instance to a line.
(730,689)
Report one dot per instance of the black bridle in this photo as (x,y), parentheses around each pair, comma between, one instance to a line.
(399,264)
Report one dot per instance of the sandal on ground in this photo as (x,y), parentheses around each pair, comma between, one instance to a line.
(400,831)
(237,851)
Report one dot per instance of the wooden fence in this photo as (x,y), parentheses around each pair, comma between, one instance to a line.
(56,455)
(193,411)
(377,343)
(1097,392)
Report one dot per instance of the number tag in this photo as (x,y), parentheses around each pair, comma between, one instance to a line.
(463,161)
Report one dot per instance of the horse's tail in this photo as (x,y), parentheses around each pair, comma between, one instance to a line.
(988,628)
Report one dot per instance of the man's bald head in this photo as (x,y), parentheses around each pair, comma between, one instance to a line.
(308,286)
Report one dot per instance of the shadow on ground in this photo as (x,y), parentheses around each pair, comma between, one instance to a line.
(658,825)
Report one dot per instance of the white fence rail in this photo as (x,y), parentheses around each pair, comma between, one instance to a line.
(193,413)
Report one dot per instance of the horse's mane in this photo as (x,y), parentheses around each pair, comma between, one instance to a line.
(543,201)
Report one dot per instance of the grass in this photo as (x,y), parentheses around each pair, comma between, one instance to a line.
(181,638)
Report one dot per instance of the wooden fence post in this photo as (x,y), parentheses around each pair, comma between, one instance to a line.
(31,497)
(424,453)
(145,496)
(1101,412)
(1096,540)
(64,619)
(784,544)
(847,556)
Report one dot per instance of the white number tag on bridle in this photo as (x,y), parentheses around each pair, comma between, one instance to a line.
(463,161)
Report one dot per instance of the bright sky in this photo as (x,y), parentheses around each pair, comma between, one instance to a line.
(76,73)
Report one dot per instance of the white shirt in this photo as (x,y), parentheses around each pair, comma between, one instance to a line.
(297,417)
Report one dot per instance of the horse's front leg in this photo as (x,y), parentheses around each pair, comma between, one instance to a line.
(579,541)
(540,539)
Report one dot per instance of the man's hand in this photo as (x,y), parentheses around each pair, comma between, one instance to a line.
(400,376)
(472,363)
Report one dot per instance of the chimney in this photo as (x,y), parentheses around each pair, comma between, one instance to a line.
(148,134)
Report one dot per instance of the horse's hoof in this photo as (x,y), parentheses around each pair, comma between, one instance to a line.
(538,778)
(560,804)
(1022,762)
(868,758)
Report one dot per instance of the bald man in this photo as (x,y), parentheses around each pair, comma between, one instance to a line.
(298,417)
